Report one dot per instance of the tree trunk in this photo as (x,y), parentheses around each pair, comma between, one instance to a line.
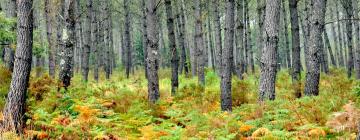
(182,39)
(240,34)
(227,57)
(249,42)
(328,46)
(218,40)
(286,29)
(87,39)
(153,51)
(14,110)
(68,44)
(127,38)
(94,38)
(314,45)
(357,38)
(348,9)
(335,39)
(50,21)
(268,60)
(340,46)
(295,37)
(107,47)
(173,49)
(144,37)
(199,43)
(261,17)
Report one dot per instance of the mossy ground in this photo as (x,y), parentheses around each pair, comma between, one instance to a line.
(118,109)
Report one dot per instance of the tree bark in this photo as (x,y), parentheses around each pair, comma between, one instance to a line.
(153,51)
(340,46)
(314,45)
(14,110)
(348,9)
(286,29)
(182,39)
(94,38)
(68,44)
(50,21)
(218,40)
(240,39)
(144,39)
(227,57)
(127,38)
(268,60)
(328,46)
(357,38)
(199,43)
(87,39)
(249,42)
(295,37)
(173,49)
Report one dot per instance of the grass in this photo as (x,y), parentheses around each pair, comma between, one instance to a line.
(118,109)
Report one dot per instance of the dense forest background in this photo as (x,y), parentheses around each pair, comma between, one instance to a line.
(179,69)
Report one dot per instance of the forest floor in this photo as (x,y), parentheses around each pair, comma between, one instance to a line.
(118,109)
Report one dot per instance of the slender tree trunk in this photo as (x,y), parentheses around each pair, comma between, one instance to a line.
(328,46)
(268,58)
(240,34)
(315,43)
(261,17)
(127,38)
(50,21)
(348,9)
(144,37)
(183,44)
(218,40)
(94,38)
(173,49)
(286,29)
(357,38)
(107,47)
(153,51)
(246,38)
(249,42)
(87,39)
(340,46)
(323,56)
(227,57)
(14,110)
(68,44)
(295,37)
(335,39)
(199,43)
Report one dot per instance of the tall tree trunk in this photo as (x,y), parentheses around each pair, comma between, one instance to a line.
(328,46)
(94,37)
(261,17)
(315,42)
(199,43)
(249,42)
(107,47)
(183,44)
(127,38)
(153,51)
(295,37)
(286,29)
(14,110)
(227,57)
(144,37)
(268,58)
(357,38)
(246,38)
(87,39)
(173,49)
(335,38)
(323,55)
(348,9)
(50,21)
(218,40)
(240,34)
(340,46)
(68,44)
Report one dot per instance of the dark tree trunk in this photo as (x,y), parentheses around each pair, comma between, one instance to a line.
(268,59)
(153,51)
(127,38)
(328,46)
(87,39)
(340,46)
(348,9)
(144,39)
(295,37)
(218,40)
(357,39)
(68,44)
(173,49)
(94,38)
(227,57)
(199,43)
(50,21)
(14,110)
(314,45)
(239,38)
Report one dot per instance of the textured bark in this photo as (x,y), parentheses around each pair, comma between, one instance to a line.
(94,37)
(227,57)
(153,51)
(246,38)
(14,110)
(79,36)
(328,46)
(182,39)
(68,44)
(348,9)
(295,37)
(249,42)
(324,56)
(341,60)
(107,47)
(127,38)
(173,49)
(218,40)
(87,39)
(286,35)
(357,39)
(239,38)
(314,45)
(210,38)
(335,38)
(199,43)
(51,38)
(144,39)
(261,17)
(268,59)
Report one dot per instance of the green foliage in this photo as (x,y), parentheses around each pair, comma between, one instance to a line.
(7,33)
